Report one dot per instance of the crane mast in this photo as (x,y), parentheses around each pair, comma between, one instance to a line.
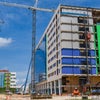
(33,46)
(33,50)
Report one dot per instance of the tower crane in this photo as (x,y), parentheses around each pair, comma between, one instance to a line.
(33,9)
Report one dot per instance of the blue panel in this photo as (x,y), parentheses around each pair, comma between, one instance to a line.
(2,80)
(76,70)
(76,60)
(66,70)
(75,14)
(94,70)
(66,60)
(92,52)
(70,52)
(67,52)
(70,70)
(93,61)
(76,52)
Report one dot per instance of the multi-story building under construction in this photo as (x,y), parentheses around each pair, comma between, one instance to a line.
(72,45)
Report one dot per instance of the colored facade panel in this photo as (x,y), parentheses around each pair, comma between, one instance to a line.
(76,70)
(66,70)
(98,33)
(75,52)
(78,61)
(74,14)
(1,80)
(7,80)
(93,70)
(70,70)
(97,47)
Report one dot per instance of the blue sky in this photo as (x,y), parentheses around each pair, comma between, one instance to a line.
(15,34)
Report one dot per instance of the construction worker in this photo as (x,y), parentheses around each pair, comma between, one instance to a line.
(76,92)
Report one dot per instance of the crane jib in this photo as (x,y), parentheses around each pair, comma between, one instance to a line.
(25,6)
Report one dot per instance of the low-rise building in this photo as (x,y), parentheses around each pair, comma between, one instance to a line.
(7,79)
(13,80)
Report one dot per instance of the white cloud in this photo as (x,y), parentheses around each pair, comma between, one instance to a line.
(5,41)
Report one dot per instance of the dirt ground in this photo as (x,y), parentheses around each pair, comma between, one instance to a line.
(27,97)
(14,97)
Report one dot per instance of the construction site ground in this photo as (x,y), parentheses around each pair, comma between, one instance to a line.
(27,97)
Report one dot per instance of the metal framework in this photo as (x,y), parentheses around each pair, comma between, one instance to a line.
(33,50)
(25,6)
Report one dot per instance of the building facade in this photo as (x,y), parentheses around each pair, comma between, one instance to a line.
(13,80)
(1,80)
(7,79)
(72,50)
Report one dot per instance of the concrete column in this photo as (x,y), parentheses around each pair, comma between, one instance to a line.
(51,87)
(59,86)
(48,88)
(44,88)
(54,87)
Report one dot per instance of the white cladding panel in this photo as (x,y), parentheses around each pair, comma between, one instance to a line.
(74,20)
(66,36)
(66,27)
(75,36)
(66,44)
(70,36)
(65,19)
(91,29)
(92,45)
(75,44)
(74,28)
(69,27)
(91,21)
(92,37)
(69,44)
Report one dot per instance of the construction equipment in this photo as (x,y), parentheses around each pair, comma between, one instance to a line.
(33,9)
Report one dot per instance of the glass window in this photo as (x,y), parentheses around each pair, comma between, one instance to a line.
(82,20)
